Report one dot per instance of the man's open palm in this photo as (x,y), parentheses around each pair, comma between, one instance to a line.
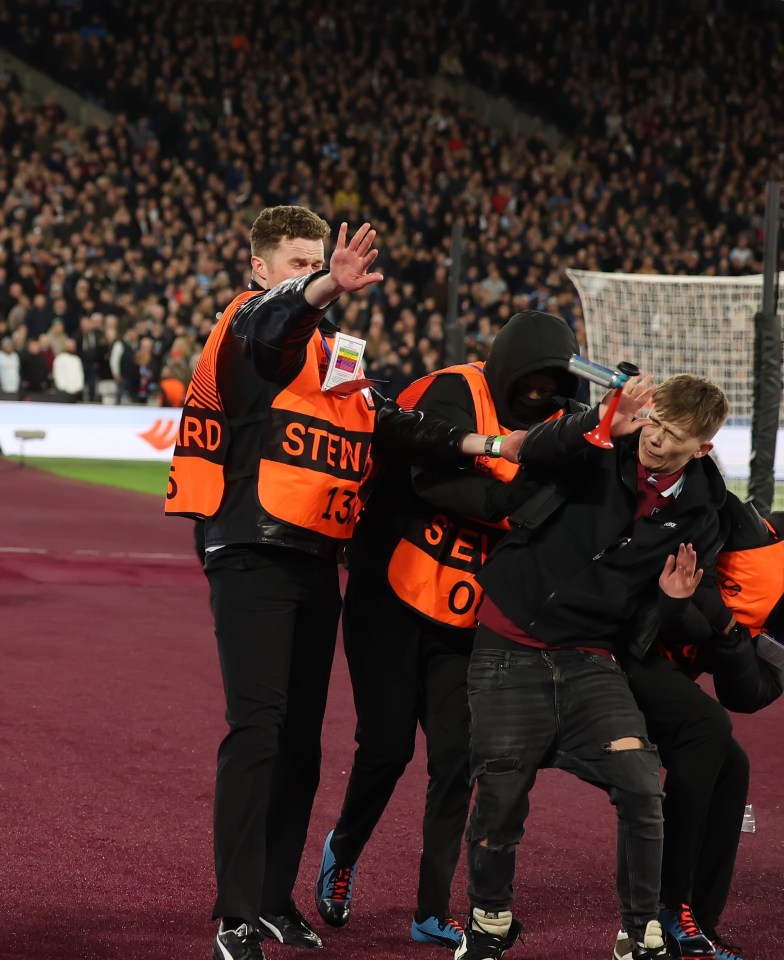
(349,263)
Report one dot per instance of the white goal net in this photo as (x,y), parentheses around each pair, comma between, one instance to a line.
(671,324)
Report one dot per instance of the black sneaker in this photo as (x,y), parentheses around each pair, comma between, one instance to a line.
(290,928)
(243,943)
(477,945)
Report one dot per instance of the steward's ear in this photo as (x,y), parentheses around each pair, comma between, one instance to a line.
(259,269)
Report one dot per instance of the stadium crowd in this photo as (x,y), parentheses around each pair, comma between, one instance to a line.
(119,245)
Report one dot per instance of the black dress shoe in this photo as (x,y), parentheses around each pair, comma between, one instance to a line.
(289,928)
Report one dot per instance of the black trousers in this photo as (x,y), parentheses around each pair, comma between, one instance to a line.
(705,788)
(276,613)
(406,670)
(558,708)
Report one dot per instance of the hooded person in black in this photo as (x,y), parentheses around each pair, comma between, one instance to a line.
(531,343)
(409,610)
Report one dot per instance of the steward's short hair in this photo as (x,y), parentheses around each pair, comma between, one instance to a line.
(274,224)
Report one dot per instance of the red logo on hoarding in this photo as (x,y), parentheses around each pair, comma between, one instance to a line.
(161,434)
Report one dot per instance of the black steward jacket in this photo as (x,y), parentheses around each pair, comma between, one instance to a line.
(744,682)
(263,353)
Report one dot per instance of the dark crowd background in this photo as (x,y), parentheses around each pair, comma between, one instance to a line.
(119,244)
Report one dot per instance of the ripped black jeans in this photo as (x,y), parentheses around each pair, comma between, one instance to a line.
(532,709)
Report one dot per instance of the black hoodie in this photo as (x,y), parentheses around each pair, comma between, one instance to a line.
(529,342)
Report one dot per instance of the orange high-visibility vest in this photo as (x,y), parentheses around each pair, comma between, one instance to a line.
(314,451)
(751,581)
(196,474)
(317,454)
(433,567)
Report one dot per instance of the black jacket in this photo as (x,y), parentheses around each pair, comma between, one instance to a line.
(743,681)
(530,341)
(577,575)
(694,631)
(263,353)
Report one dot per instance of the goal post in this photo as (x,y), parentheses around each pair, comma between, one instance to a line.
(767,361)
(705,325)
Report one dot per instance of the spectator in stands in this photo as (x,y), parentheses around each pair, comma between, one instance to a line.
(346,202)
(124,365)
(6,300)
(437,288)
(181,362)
(10,369)
(68,372)
(20,304)
(144,360)
(46,351)
(61,312)
(93,349)
(57,336)
(162,340)
(493,286)
(38,318)
(741,256)
(35,378)
(171,390)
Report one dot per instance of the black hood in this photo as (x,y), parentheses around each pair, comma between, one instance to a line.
(530,342)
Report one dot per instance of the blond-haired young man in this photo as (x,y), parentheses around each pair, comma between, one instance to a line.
(544,685)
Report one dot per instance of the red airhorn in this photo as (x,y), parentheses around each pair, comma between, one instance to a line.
(600,435)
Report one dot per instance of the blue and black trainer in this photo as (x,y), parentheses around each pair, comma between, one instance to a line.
(334,887)
(448,932)
(724,950)
(684,936)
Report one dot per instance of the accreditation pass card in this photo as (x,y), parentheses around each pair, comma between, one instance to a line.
(345,362)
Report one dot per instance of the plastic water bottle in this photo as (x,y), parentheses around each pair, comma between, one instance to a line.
(749,823)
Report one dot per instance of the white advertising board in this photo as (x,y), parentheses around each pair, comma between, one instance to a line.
(732,446)
(89,431)
(148,433)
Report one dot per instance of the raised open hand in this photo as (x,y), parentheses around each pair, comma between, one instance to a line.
(349,263)
(679,578)
(636,393)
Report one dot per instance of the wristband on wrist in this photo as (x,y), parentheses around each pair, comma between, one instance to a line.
(493,446)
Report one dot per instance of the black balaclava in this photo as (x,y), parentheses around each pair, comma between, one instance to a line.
(530,342)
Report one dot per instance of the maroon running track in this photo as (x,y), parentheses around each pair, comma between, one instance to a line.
(111,715)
